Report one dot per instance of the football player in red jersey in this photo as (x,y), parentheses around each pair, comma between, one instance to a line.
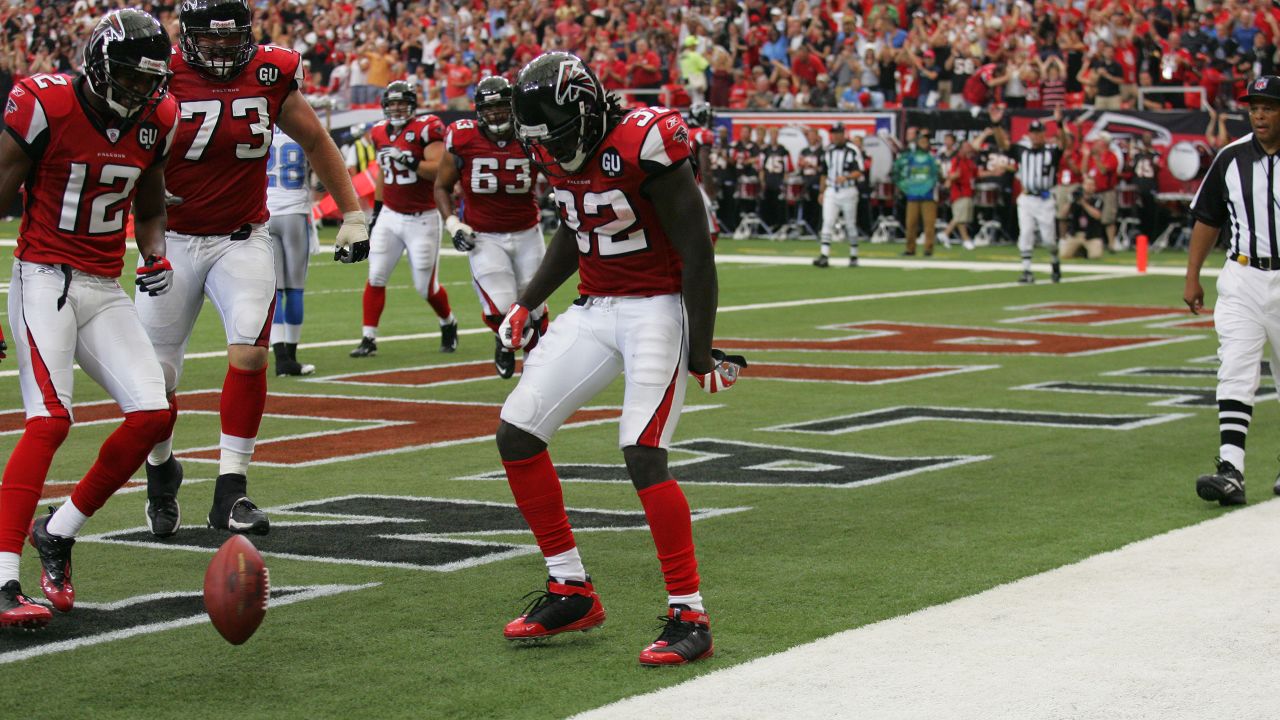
(499,229)
(85,149)
(631,227)
(701,140)
(231,94)
(405,220)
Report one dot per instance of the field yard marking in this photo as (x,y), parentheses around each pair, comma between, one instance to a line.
(1197,397)
(909,414)
(857,374)
(306,592)
(1137,632)
(1093,314)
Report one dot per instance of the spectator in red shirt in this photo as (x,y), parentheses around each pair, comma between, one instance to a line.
(646,72)
(806,66)
(458,78)
(1102,165)
(740,91)
(960,180)
(611,71)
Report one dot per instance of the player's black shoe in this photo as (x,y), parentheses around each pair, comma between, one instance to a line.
(287,361)
(164,516)
(55,563)
(235,512)
(1055,272)
(1226,486)
(821,261)
(449,337)
(18,610)
(366,348)
(568,606)
(853,262)
(504,360)
(1026,278)
(686,637)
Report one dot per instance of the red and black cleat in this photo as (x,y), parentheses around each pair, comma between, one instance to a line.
(563,607)
(19,611)
(55,562)
(686,637)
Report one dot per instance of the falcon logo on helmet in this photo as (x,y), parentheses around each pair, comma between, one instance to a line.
(573,82)
(126,62)
(561,113)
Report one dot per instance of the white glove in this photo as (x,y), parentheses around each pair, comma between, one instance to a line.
(352,243)
(453,225)
(724,374)
(403,158)
(516,329)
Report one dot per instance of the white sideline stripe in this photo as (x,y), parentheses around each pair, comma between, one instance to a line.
(1151,630)
(975,265)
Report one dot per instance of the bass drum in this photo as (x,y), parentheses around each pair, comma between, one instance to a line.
(1184,161)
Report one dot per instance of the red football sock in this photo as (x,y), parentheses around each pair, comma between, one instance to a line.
(667,511)
(244,395)
(375,299)
(24,476)
(121,455)
(439,300)
(537,492)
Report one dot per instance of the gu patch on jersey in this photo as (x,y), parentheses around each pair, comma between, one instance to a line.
(611,162)
(268,74)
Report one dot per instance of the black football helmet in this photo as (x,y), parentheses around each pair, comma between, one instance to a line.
(560,112)
(493,107)
(216,36)
(700,114)
(126,62)
(399,103)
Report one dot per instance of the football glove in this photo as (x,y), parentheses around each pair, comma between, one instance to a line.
(464,238)
(156,276)
(516,330)
(404,158)
(352,243)
(723,375)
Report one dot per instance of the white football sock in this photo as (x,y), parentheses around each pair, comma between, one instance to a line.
(235,455)
(694,601)
(370,331)
(161,452)
(1233,454)
(8,566)
(277,333)
(566,566)
(292,333)
(448,321)
(66,521)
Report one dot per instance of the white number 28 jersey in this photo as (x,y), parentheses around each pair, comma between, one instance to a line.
(288,192)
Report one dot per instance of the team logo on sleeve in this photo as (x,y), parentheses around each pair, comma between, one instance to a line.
(611,163)
(268,74)
(682,134)
(10,107)
(573,82)
(148,135)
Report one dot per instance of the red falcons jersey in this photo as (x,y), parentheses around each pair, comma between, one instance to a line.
(84,176)
(496,180)
(700,138)
(623,249)
(403,190)
(219,163)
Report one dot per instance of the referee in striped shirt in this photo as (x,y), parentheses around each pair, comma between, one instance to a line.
(841,168)
(1037,168)
(1241,193)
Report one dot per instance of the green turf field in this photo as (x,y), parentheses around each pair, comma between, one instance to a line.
(800,533)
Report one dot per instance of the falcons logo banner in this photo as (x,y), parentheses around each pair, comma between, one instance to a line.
(573,82)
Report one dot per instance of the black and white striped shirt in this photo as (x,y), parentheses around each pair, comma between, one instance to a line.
(1242,193)
(1037,167)
(841,160)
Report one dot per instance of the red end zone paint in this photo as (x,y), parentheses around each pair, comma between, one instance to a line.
(886,337)
(1093,314)
(422,376)
(416,424)
(842,374)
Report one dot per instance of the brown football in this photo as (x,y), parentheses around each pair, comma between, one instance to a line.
(236,589)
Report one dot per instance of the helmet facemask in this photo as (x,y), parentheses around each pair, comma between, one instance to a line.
(128,89)
(220,52)
(398,111)
(496,121)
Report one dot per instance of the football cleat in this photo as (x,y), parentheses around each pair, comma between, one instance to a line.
(1055,274)
(18,610)
(1226,486)
(821,261)
(287,361)
(566,606)
(366,348)
(164,516)
(853,262)
(504,360)
(686,637)
(55,563)
(1026,278)
(238,515)
(449,337)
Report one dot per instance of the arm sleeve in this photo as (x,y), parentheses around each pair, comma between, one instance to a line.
(25,120)
(1210,203)
(665,145)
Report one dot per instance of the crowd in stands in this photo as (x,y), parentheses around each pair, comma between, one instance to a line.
(847,54)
